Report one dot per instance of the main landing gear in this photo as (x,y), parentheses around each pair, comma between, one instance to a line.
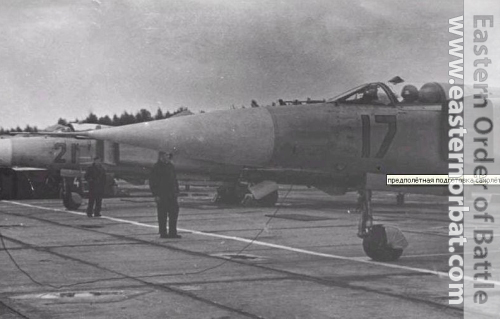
(380,243)
(71,195)
(263,194)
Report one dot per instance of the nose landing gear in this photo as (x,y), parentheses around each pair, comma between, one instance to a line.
(380,243)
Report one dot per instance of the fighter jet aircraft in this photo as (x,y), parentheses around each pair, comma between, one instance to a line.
(336,146)
(40,166)
(49,160)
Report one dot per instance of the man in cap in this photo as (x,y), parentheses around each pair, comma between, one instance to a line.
(95,175)
(165,188)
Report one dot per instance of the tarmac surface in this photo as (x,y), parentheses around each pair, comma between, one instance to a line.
(300,259)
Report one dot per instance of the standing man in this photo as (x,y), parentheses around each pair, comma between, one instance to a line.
(95,175)
(165,189)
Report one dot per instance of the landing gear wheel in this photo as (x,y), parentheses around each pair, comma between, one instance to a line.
(72,201)
(376,247)
(231,194)
(268,200)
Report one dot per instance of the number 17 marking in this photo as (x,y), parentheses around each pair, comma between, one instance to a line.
(366,134)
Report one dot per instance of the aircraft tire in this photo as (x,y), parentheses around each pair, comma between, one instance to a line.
(230,195)
(376,247)
(72,201)
(268,200)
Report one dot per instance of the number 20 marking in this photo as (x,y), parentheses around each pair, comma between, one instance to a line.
(366,134)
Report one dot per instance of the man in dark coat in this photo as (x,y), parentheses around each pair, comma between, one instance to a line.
(165,189)
(95,175)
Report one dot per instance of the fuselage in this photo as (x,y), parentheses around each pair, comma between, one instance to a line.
(334,139)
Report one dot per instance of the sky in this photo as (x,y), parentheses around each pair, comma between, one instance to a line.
(67,58)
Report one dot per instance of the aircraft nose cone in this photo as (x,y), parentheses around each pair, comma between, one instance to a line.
(5,152)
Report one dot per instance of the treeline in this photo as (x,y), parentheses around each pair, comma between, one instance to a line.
(28,128)
(126,118)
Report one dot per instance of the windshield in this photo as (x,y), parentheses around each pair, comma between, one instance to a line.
(370,94)
(335,98)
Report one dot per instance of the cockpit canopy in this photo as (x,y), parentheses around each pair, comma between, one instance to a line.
(394,94)
(372,93)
